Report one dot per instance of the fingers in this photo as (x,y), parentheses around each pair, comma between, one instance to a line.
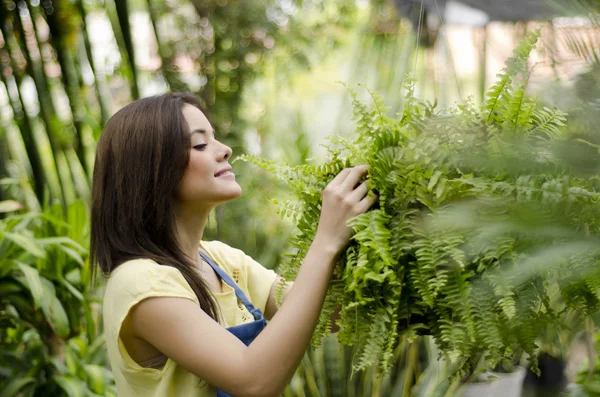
(360,192)
(354,176)
(367,202)
(339,178)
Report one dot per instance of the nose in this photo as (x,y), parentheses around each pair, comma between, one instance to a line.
(226,152)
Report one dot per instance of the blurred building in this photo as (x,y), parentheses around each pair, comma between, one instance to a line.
(477,36)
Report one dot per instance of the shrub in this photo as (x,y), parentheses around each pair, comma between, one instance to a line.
(481,219)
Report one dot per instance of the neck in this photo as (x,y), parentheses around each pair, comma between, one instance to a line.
(190,224)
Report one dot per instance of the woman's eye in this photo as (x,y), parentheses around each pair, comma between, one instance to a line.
(200,147)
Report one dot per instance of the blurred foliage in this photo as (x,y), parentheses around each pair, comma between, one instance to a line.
(481,221)
(49,336)
(56,93)
(59,90)
(588,382)
(416,372)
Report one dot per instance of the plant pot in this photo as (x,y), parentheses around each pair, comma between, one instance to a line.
(496,384)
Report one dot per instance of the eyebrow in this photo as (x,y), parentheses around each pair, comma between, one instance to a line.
(202,131)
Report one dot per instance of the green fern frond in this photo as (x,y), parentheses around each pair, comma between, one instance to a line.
(501,90)
(446,237)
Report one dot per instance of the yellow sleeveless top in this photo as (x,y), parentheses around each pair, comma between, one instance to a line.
(136,280)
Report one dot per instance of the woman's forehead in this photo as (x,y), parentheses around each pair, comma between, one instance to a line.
(196,120)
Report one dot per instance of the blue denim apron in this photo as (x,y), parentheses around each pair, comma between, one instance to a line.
(244,332)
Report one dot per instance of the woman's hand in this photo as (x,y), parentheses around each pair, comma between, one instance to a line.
(342,201)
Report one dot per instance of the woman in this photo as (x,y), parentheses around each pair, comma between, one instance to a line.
(183,316)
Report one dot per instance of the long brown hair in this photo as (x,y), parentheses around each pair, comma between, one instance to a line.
(142,155)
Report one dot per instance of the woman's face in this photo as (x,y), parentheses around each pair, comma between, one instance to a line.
(206,181)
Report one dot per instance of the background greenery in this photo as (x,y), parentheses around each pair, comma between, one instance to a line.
(253,65)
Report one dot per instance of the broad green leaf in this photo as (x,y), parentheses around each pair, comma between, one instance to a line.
(96,378)
(78,219)
(72,386)
(28,243)
(97,350)
(73,254)
(72,289)
(440,189)
(54,311)
(90,323)
(434,179)
(22,304)
(16,385)
(74,276)
(9,181)
(34,284)
(6,266)
(54,220)
(25,220)
(62,240)
(58,362)
(79,346)
(74,363)
(10,206)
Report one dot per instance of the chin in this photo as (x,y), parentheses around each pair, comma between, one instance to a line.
(235,194)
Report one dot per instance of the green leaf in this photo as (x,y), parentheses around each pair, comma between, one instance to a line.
(9,181)
(440,189)
(9,287)
(72,386)
(16,385)
(33,282)
(72,289)
(96,378)
(73,254)
(28,243)
(54,311)
(434,179)
(78,220)
(61,241)
(10,206)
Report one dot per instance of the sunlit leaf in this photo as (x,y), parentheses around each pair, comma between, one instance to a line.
(74,387)
(34,284)
(96,378)
(54,310)
(10,206)
(26,242)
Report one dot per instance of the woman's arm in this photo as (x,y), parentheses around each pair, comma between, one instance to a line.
(186,334)
(271,308)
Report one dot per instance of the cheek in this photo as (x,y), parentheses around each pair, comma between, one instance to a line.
(197,166)
(196,174)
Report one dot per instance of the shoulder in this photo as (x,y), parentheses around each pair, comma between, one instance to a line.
(140,278)
(139,270)
(220,248)
(134,268)
(225,255)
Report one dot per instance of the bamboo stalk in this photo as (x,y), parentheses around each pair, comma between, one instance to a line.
(483,64)
(48,115)
(70,80)
(122,32)
(18,109)
(35,71)
(98,78)
(18,153)
(171,77)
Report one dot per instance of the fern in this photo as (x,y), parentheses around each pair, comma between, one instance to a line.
(458,248)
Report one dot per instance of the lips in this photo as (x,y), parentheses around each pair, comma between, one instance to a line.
(223,171)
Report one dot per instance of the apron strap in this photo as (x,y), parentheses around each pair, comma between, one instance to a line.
(239,293)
